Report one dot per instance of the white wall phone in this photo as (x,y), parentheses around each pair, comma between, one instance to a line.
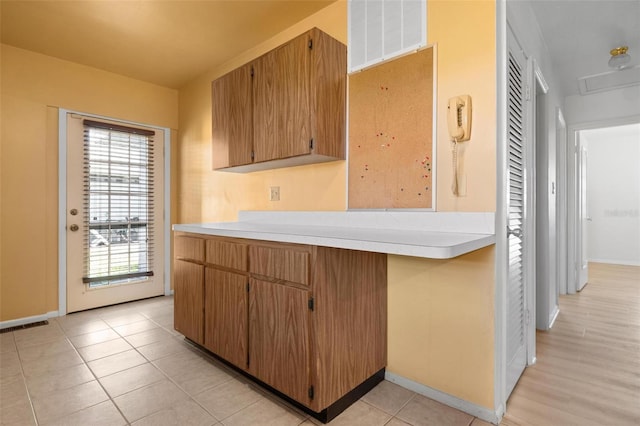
(459,118)
(459,123)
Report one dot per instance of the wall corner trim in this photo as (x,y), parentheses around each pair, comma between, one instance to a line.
(475,410)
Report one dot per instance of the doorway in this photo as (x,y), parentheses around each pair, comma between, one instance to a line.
(612,189)
(112,212)
(580,210)
(546,288)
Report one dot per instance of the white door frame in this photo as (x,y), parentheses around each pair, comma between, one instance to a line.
(502,220)
(574,230)
(561,199)
(62,203)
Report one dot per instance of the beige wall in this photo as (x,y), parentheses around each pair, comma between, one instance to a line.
(440,312)
(34,86)
(465,34)
(441,327)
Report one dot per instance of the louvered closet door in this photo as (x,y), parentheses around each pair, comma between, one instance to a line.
(516,338)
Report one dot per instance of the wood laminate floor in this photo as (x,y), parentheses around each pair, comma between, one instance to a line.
(588,364)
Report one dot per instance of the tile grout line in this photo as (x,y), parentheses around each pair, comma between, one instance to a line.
(232,377)
(414,396)
(139,353)
(97,379)
(86,363)
(24,377)
(208,357)
(151,362)
(195,348)
(24,380)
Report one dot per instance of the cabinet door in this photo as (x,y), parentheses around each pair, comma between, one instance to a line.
(225,330)
(328,95)
(188,294)
(281,101)
(279,338)
(231,119)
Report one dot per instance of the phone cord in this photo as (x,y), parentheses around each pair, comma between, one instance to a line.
(454,152)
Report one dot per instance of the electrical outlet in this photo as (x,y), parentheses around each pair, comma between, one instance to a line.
(274,195)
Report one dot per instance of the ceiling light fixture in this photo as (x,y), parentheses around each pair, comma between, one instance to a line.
(619,57)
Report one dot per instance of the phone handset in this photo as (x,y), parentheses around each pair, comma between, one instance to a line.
(459,118)
(459,121)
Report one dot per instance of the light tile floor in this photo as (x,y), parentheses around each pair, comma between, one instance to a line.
(125,365)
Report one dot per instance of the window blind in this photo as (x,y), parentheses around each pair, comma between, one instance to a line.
(118,204)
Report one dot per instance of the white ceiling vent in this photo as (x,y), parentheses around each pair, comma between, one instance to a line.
(609,80)
(383,29)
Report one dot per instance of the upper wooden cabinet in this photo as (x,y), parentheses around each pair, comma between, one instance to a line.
(232,123)
(286,108)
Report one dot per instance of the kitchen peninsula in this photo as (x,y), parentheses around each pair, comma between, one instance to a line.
(298,300)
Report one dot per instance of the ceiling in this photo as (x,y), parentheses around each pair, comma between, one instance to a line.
(171,42)
(163,42)
(580,34)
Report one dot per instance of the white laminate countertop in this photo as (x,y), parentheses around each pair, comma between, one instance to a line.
(407,242)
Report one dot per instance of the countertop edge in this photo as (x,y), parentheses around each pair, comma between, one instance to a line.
(475,242)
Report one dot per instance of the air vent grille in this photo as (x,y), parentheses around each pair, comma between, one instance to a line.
(380,30)
(609,80)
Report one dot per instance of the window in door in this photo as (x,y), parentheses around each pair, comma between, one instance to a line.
(118,204)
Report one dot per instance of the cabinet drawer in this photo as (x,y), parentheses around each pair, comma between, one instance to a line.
(191,248)
(280,263)
(227,254)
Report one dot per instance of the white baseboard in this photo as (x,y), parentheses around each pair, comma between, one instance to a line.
(27,320)
(468,407)
(616,262)
(553,316)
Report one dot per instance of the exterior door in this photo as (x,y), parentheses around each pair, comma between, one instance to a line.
(516,204)
(114,213)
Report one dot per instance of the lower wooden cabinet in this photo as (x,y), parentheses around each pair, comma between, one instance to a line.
(310,322)
(226,315)
(187,301)
(279,352)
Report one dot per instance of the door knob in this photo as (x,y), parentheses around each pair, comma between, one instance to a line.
(515,232)
(74,227)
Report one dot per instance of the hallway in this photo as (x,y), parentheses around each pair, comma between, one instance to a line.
(588,364)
